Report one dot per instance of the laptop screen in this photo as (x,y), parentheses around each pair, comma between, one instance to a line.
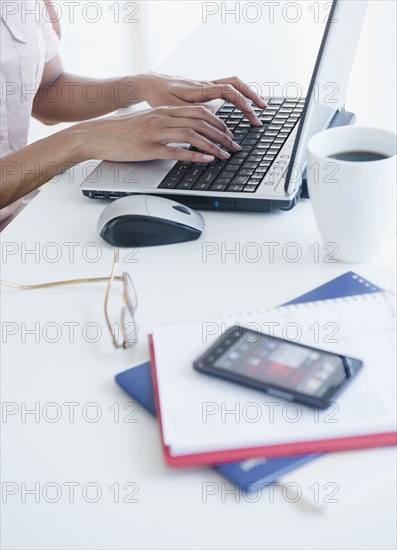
(327,88)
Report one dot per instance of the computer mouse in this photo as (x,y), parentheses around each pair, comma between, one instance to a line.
(147,220)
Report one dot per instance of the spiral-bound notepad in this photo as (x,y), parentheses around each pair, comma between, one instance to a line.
(207,421)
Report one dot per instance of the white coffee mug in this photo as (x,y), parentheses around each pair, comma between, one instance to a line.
(354,203)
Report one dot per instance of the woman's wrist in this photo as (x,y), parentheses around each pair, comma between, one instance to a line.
(131,90)
(77,142)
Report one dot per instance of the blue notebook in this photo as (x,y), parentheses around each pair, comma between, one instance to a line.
(250,475)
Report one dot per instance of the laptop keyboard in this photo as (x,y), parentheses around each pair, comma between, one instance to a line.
(244,171)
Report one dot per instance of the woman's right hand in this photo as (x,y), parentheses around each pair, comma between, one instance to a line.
(146,135)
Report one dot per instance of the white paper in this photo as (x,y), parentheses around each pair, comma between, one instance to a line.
(201,413)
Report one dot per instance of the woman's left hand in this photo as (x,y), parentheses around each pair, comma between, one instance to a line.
(159,90)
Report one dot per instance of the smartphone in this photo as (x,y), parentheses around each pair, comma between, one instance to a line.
(281,368)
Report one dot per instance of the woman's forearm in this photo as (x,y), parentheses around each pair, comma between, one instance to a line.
(34,165)
(73,98)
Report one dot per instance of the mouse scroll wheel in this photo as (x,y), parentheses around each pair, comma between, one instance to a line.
(181,208)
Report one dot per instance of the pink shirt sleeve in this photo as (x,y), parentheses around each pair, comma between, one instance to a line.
(51,40)
(26,45)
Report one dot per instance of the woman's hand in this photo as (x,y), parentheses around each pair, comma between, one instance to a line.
(146,135)
(158,89)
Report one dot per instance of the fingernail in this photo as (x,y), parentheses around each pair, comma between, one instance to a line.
(262,103)
(236,146)
(258,121)
(224,154)
(229,133)
(208,158)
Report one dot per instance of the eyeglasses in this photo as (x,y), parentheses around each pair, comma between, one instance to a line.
(130,299)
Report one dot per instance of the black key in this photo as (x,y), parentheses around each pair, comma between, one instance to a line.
(217,166)
(266,140)
(235,188)
(186,183)
(239,135)
(196,170)
(180,173)
(257,132)
(247,146)
(246,171)
(169,182)
(261,170)
(250,189)
(218,186)
(248,142)
(242,180)
(201,186)
(207,177)
(256,156)
(227,176)
(249,164)
(233,165)
(235,162)
(254,183)
(223,179)
(240,155)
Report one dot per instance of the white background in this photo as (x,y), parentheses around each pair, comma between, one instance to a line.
(173,283)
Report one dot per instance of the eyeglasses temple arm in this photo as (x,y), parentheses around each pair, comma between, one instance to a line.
(59,283)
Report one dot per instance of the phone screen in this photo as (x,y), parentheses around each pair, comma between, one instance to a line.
(278,362)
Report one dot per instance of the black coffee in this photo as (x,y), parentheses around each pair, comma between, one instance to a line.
(358,156)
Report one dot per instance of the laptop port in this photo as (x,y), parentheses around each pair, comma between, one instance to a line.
(113,196)
(97,195)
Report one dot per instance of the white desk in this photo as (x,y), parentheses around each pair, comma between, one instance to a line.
(173,283)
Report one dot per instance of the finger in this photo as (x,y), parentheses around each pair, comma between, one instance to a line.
(187,135)
(197,112)
(177,153)
(230,94)
(203,128)
(244,89)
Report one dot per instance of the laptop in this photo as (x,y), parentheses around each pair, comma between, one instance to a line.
(268,173)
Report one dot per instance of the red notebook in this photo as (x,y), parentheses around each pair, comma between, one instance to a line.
(211,458)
